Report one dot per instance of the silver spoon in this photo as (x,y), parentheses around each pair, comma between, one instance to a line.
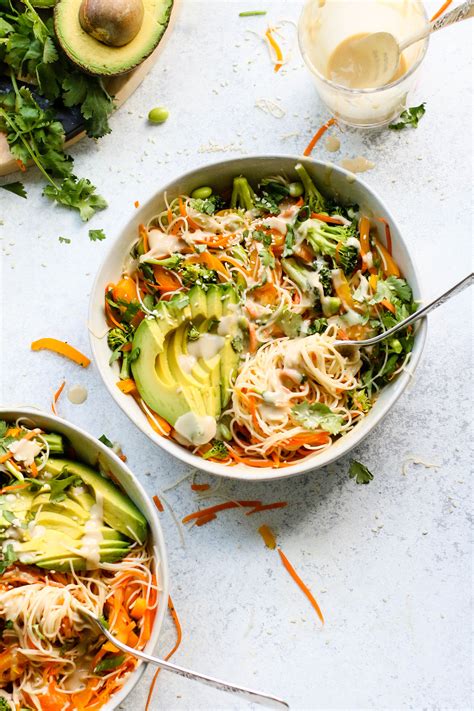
(377,56)
(456,289)
(255,697)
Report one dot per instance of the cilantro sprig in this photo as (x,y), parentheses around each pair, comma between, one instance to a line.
(409,117)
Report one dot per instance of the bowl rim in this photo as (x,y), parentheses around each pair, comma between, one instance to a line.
(249,473)
(150,513)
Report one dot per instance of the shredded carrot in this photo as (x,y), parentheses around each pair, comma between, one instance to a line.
(6,457)
(138,608)
(301,584)
(21,165)
(56,397)
(127,386)
(179,637)
(158,503)
(253,343)
(64,349)
(220,507)
(200,487)
(276,48)
(211,261)
(373,280)
(443,7)
(319,133)
(205,519)
(13,487)
(267,507)
(326,218)
(388,305)
(166,280)
(388,234)
(268,536)
(136,203)
(182,207)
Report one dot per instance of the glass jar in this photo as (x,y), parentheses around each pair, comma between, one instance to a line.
(324,24)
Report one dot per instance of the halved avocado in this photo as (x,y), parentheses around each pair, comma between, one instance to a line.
(97,58)
(119,511)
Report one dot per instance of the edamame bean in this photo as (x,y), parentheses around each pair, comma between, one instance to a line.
(201,193)
(296,189)
(158,115)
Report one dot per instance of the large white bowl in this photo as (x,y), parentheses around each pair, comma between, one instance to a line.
(332,180)
(88,450)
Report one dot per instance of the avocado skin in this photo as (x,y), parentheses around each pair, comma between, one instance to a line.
(160,379)
(98,59)
(119,511)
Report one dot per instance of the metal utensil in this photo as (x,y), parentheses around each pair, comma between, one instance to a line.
(421,313)
(255,697)
(378,54)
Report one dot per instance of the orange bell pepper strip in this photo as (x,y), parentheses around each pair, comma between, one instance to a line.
(125,290)
(343,291)
(64,349)
(390,267)
(364,232)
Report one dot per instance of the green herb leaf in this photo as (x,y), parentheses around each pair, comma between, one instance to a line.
(77,193)
(64,240)
(96,235)
(359,472)
(317,416)
(17,188)
(252,13)
(105,440)
(3,428)
(109,663)
(8,557)
(409,117)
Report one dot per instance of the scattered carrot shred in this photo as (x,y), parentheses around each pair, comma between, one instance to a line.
(179,637)
(62,348)
(388,234)
(267,507)
(319,133)
(200,487)
(205,519)
(158,504)
(443,7)
(220,507)
(388,305)
(268,536)
(301,584)
(136,203)
(56,397)
(21,165)
(276,48)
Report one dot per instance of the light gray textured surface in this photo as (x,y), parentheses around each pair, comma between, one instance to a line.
(390,563)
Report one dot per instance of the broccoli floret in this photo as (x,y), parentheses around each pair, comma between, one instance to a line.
(197,274)
(208,206)
(242,194)
(324,238)
(312,196)
(273,191)
(319,325)
(348,258)
(172,262)
(118,337)
(5,705)
(217,451)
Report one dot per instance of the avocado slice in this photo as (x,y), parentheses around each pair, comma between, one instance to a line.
(97,58)
(165,385)
(119,511)
(66,507)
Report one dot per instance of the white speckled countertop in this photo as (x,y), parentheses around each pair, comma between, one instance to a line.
(390,563)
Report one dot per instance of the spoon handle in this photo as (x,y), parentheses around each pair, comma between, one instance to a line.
(456,289)
(462,12)
(250,695)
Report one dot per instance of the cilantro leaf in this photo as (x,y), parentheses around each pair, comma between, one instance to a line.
(77,193)
(64,240)
(105,440)
(317,416)
(109,663)
(359,472)
(392,289)
(409,117)
(17,188)
(7,558)
(96,235)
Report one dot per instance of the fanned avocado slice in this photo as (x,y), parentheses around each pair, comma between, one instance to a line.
(119,511)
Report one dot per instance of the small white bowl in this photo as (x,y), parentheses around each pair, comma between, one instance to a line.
(88,450)
(332,180)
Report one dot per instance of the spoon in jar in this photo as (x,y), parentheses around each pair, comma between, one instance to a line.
(255,697)
(372,61)
(456,289)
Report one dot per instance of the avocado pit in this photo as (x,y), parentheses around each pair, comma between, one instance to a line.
(112,22)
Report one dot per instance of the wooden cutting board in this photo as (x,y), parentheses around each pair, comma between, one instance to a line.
(120,87)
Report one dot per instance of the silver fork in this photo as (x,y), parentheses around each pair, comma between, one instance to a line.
(255,697)
(421,313)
